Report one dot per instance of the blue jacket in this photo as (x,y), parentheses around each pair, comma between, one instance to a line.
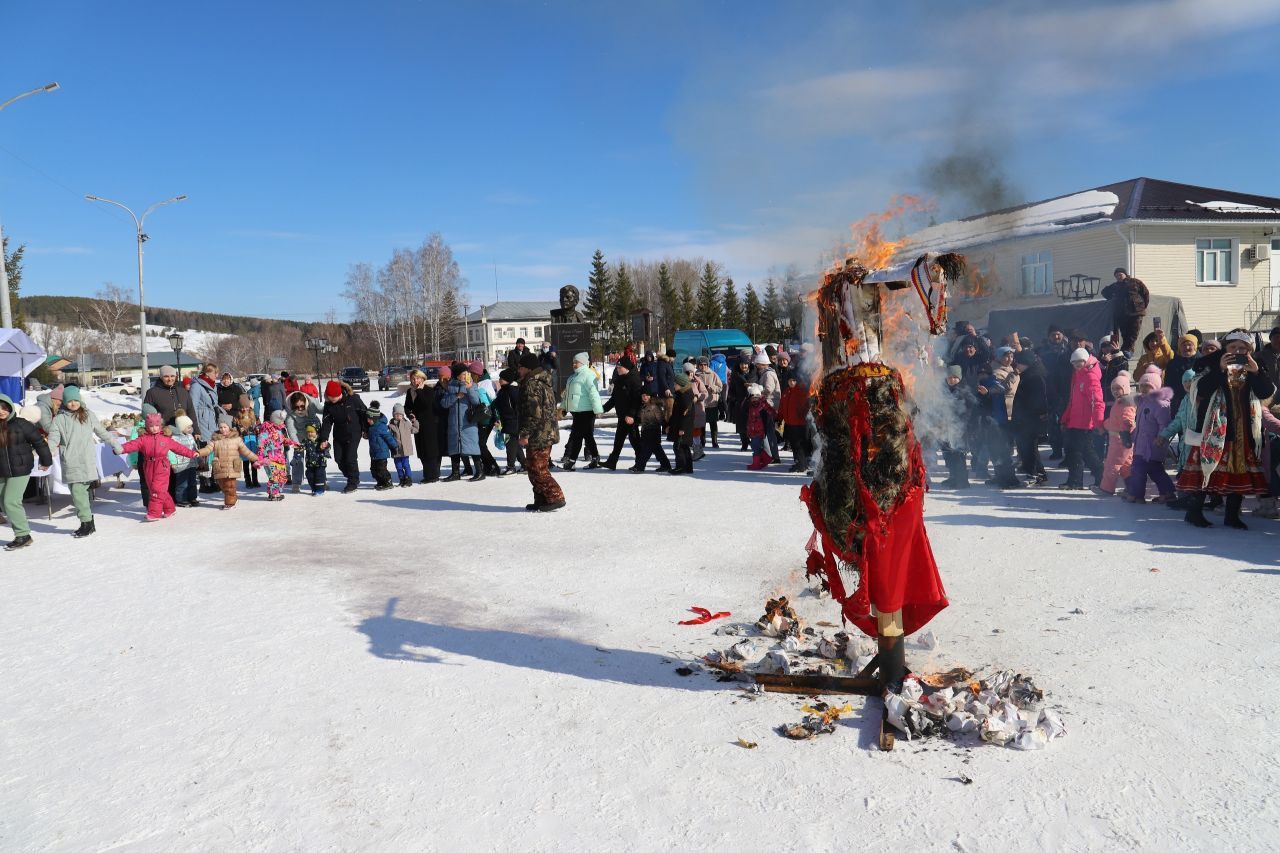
(996,391)
(464,435)
(381,443)
(721,366)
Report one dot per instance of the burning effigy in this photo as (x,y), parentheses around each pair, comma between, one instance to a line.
(866,500)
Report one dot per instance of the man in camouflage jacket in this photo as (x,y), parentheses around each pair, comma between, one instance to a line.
(539,432)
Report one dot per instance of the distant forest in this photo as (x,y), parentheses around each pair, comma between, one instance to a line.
(79,311)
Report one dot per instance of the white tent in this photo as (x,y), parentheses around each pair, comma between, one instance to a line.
(19,355)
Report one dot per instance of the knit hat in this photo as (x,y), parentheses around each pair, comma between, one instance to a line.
(690,367)
(509,375)
(1188,375)
(397,409)
(955,371)
(581,358)
(153,419)
(148,409)
(245,402)
(746,352)
(69,393)
(56,393)
(476,368)
(529,361)
(311,428)
(168,370)
(1001,352)
(1151,378)
(760,358)
(224,418)
(1122,385)
(278,416)
(682,379)
(183,423)
(755,389)
(626,362)
(1185,338)
(445,372)
(1081,355)
(333,388)
(376,405)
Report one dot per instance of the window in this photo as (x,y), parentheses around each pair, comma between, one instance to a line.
(524,331)
(1214,261)
(537,330)
(1037,274)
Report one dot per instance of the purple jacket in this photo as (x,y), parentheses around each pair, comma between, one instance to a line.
(1153,415)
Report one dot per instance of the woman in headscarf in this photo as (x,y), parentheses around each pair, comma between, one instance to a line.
(1225,434)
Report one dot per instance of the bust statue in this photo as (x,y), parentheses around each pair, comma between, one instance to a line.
(568,311)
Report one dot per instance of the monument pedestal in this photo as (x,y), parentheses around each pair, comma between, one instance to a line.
(568,339)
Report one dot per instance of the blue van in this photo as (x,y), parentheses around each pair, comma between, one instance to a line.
(708,342)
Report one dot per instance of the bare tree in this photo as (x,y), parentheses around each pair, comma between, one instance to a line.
(108,314)
(440,286)
(371,308)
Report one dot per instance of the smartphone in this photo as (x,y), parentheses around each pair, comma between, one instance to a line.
(1239,359)
(1155,322)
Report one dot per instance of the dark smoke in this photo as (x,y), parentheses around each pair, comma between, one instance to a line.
(970,179)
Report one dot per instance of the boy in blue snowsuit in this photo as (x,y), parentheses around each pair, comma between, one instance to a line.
(382,446)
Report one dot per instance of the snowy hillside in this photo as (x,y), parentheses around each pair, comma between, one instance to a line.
(58,338)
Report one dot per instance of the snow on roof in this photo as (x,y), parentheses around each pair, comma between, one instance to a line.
(1233,207)
(1047,216)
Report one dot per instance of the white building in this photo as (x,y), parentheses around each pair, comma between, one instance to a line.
(491,331)
(1213,249)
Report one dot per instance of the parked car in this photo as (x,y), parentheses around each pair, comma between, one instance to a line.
(392,375)
(115,387)
(356,377)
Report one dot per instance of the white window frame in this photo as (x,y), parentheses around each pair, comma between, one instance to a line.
(1232,255)
(1037,262)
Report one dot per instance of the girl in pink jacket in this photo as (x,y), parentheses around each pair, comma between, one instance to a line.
(1119,427)
(1084,414)
(153,448)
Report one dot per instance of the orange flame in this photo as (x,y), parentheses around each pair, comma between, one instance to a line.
(868,243)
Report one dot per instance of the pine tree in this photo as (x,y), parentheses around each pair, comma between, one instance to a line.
(13,268)
(708,311)
(668,301)
(732,315)
(772,303)
(625,300)
(599,299)
(684,320)
(753,315)
(450,329)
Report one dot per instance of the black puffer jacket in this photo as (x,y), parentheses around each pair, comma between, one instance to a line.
(24,443)
(626,395)
(345,419)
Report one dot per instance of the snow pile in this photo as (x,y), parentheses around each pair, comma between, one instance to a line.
(1234,207)
(1043,218)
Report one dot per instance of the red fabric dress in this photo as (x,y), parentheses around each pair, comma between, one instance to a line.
(893,562)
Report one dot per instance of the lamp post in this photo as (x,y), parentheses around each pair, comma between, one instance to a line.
(317,346)
(6,310)
(142,238)
(175,343)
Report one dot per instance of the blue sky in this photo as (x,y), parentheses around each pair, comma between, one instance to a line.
(313,135)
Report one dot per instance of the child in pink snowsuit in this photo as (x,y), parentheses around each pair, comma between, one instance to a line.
(153,449)
(1119,427)
(272,442)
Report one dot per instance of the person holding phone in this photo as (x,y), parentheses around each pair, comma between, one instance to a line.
(1225,404)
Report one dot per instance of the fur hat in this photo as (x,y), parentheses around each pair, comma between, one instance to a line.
(153,419)
(760,358)
(278,416)
(529,361)
(755,389)
(183,423)
(1122,385)
(702,359)
(1081,355)
(31,414)
(333,388)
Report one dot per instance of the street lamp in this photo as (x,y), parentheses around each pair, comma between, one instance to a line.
(142,238)
(175,343)
(6,310)
(317,346)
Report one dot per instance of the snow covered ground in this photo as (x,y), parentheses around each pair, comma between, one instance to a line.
(435,669)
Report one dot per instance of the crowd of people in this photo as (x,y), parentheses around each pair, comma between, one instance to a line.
(1202,406)
(1198,405)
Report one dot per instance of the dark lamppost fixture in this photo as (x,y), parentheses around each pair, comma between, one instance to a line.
(175,344)
(1077,287)
(317,346)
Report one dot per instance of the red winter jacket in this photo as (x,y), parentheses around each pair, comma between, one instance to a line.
(1085,409)
(794,406)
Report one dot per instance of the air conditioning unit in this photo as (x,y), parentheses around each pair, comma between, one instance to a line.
(1257,253)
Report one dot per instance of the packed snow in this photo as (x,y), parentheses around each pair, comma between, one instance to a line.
(432,668)
(1234,207)
(1043,218)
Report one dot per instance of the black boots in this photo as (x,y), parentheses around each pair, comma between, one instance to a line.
(86,529)
(1195,512)
(479,470)
(611,463)
(454,476)
(957,470)
(18,542)
(595,462)
(1232,518)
